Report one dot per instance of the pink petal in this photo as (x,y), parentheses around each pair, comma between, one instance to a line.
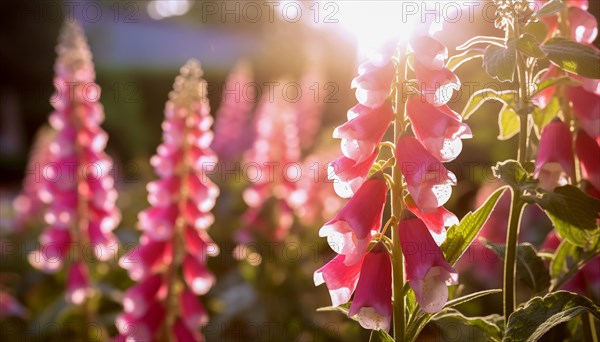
(554,161)
(340,279)
(373,298)
(348,175)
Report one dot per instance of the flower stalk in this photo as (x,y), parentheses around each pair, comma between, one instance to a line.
(397,206)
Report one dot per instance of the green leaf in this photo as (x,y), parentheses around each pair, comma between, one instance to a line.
(343,308)
(542,117)
(569,205)
(470,297)
(508,122)
(419,319)
(459,237)
(568,81)
(514,174)
(500,62)
(536,317)
(550,8)
(456,61)
(569,259)
(477,328)
(538,29)
(380,336)
(480,97)
(573,57)
(488,40)
(531,269)
(530,46)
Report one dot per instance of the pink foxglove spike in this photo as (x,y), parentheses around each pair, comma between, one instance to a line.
(174,239)
(232,136)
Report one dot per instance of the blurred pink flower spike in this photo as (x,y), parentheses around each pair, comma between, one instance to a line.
(350,231)
(372,304)
(10,307)
(554,162)
(427,272)
(429,182)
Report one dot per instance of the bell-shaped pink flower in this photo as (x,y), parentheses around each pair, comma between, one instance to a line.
(586,106)
(137,298)
(372,302)
(427,272)
(543,98)
(350,231)
(429,52)
(197,276)
(364,130)
(348,175)
(435,220)
(429,182)
(339,278)
(77,283)
(55,246)
(554,162)
(143,328)
(436,86)
(588,153)
(183,334)
(193,312)
(232,137)
(439,129)
(373,84)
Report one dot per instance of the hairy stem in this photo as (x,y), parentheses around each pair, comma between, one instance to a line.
(397,207)
(510,257)
(517,204)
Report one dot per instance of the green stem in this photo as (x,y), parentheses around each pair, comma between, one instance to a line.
(589,327)
(517,204)
(510,258)
(397,208)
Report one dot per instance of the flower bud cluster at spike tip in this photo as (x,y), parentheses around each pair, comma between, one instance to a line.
(275,153)
(232,136)
(80,197)
(174,238)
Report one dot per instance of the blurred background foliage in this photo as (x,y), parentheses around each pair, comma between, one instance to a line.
(136,63)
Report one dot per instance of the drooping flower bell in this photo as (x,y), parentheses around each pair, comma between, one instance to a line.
(373,84)
(364,130)
(372,304)
(554,162)
(339,278)
(350,231)
(428,181)
(439,129)
(174,238)
(78,189)
(427,272)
